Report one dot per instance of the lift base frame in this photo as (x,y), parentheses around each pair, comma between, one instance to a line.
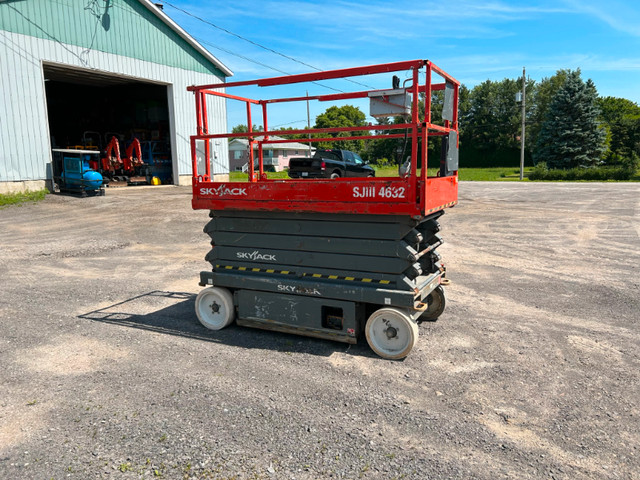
(261,302)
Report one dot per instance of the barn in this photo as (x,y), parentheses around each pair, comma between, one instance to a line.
(76,73)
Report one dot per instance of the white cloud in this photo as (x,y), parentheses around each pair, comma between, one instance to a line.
(621,16)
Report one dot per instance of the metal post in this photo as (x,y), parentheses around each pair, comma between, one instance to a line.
(252,176)
(309,123)
(522,133)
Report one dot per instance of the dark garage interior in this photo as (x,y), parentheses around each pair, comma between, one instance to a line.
(86,109)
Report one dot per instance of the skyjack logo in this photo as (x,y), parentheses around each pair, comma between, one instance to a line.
(223,190)
(256,255)
(302,290)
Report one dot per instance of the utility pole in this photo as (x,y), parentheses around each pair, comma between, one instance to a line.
(522,133)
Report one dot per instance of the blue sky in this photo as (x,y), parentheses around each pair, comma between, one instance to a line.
(472,40)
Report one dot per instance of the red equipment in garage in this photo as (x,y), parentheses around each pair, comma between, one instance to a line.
(111,162)
(132,158)
(128,168)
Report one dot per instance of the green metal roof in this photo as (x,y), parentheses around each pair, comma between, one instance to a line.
(131,28)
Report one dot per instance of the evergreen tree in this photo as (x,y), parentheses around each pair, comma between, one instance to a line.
(542,94)
(571,135)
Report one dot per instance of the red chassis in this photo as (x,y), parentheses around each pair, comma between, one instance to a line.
(416,195)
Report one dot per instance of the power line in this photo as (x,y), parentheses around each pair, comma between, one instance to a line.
(242,57)
(289,123)
(255,43)
(260,63)
(83,61)
(230,52)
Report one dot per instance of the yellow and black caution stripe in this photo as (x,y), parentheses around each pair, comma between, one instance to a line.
(446,205)
(347,279)
(310,275)
(257,270)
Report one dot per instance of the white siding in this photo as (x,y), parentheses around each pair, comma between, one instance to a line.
(25,149)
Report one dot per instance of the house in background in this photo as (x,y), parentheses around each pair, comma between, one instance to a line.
(275,155)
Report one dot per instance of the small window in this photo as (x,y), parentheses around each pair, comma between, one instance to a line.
(72,165)
(357,159)
(348,156)
(237,154)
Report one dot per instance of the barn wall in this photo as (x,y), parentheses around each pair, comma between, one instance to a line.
(122,27)
(25,149)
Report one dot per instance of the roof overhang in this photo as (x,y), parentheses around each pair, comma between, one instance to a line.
(188,38)
(244,143)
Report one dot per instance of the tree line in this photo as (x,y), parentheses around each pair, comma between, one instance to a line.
(568,126)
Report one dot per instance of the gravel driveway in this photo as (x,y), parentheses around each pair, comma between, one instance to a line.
(531,372)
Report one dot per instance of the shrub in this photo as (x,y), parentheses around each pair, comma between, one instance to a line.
(541,172)
(631,164)
(381,162)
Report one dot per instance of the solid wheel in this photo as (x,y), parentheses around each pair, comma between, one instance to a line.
(335,175)
(391,333)
(214,308)
(436,300)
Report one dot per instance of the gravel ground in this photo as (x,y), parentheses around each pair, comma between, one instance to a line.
(531,372)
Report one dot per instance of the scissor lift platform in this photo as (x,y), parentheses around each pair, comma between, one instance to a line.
(330,258)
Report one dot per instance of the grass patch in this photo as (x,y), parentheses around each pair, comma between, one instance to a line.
(243,177)
(472,174)
(469,174)
(493,174)
(21,197)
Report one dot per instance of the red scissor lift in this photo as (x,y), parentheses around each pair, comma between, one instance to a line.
(331,257)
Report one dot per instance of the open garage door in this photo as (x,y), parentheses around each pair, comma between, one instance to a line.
(86,110)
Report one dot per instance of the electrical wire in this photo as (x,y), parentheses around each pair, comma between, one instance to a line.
(18,49)
(230,52)
(289,123)
(260,63)
(229,32)
(82,60)
(93,7)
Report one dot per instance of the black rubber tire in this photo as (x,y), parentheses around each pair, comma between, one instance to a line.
(437,301)
(335,175)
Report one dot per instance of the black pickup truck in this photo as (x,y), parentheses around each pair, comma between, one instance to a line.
(330,164)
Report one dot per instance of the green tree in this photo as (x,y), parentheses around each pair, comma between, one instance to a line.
(345,116)
(243,128)
(464,107)
(622,120)
(491,119)
(490,122)
(542,94)
(380,148)
(571,135)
